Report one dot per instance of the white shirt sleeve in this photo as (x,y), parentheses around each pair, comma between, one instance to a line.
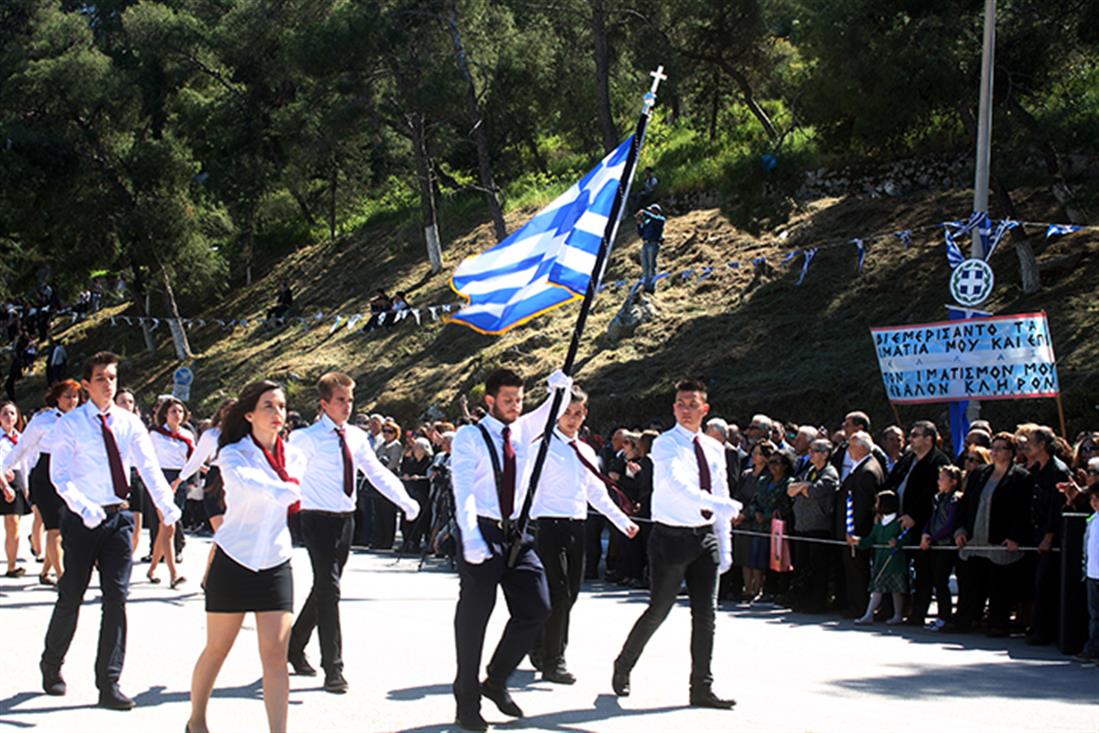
(27,447)
(143,458)
(206,448)
(723,525)
(529,426)
(463,471)
(599,497)
(382,479)
(258,483)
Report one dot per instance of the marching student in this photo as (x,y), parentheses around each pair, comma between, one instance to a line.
(174,445)
(92,448)
(127,400)
(691,541)
(569,482)
(14,503)
(487,461)
(34,450)
(334,451)
(251,568)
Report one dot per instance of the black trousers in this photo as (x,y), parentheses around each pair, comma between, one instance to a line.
(979,581)
(812,564)
(527,596)
(677,554)
(560,546)
(923,563)
(1047,595)
(412,533)
(856,579)
(328,540)
(942,563)
(109,545)
(385,523)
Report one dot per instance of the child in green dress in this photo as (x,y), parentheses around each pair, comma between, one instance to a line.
(889,572)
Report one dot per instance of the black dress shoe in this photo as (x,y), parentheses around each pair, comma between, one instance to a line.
(471,721)
(113,699)
(707,699)
(502,698)
(301,666)
(620,681)
(335,683)
(52,683)
(560,675)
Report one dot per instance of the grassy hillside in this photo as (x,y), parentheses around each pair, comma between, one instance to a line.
(799,353)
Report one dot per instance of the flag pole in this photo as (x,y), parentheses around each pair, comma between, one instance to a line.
(609,233)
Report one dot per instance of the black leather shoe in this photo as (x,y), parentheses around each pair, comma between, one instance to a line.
(471,721)
(301,666)
(335,683)
(113,699)
(52,683)
(707,699)
(560,675)
(620,681)
(502,698)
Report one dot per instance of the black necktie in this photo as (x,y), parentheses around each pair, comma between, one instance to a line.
(348,466)
(704,481)
(114,460)
(507,500)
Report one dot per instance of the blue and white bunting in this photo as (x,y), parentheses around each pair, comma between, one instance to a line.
(546,263)
(1057,230)
(860,249)
(905,235)
(809,255)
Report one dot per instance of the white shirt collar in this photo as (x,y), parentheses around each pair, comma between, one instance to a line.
(329,423)
(887,518)
(689,434)
(493,425)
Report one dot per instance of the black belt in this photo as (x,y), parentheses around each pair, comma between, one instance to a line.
(115,508)
(558,520)
(703,530)
(323,513)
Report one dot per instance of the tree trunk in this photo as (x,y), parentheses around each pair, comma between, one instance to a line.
(141,297)
(750,100)
(175,325)
(427,192)
(332,187)
(1028,264)
(249,241)
(303,206)
(476,123)
(601,50)
(715,107)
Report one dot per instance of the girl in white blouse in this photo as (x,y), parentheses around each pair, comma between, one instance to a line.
(173,444)
(15,502)
(250,572)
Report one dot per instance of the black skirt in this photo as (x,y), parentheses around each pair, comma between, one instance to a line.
(233,588)
(20,505)
(44,495)
(137,494)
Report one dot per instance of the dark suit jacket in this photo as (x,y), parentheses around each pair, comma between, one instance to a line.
(1010,505)
(863,485)
(841,449)
(919,493)
(1047,503)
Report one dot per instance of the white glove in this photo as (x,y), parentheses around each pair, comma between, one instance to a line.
(559,380)
(474,550)
(725,561)
(411,512)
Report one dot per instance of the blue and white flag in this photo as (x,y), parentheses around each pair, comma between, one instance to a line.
(905,235)
(548,262)
(1056,230)
(860,250)
(954,229)
(809,255)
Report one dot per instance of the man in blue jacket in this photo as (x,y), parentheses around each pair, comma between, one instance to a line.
(650,227)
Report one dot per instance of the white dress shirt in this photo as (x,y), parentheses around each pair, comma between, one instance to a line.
(171,453)
(322,484)
(6,448)
(254,532)
(472,478)
(34,441)
(678,499)
(566,486)
(205,449)
(80,471)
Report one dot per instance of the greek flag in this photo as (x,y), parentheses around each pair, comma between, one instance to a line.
(548,262)
(1056,230)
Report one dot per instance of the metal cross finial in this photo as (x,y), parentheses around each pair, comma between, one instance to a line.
(650,98)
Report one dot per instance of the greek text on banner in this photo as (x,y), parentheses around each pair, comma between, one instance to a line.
(994,358)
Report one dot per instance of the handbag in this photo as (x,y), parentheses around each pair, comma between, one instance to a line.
(780,548)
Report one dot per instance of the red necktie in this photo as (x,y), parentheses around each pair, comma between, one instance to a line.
(13,437)
(348,466)
(704,482)
(177,436)
(507,501)
(114,460)
(624,502)
(277,462)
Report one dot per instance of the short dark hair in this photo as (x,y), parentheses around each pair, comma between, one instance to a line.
(928,429)
(98,359)
(691,385)
(502,378)
(859,418)
(1046,437)
(888,503)
(578,394)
